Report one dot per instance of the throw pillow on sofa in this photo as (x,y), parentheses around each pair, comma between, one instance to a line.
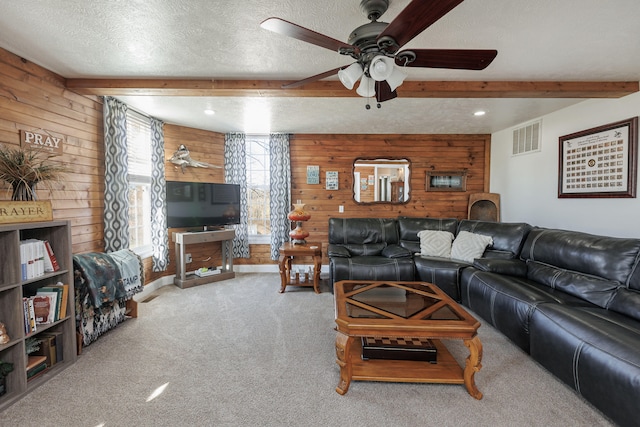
(435,243)
(469,246)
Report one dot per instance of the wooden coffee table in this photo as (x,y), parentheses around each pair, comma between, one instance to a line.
(403,309)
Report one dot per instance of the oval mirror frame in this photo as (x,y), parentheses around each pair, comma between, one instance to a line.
(381,180)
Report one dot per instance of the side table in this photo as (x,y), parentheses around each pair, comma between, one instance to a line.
(288,252)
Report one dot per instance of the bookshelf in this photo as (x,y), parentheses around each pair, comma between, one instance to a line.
(12,290)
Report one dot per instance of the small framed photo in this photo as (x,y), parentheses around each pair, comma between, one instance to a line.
(313,174)
(599,162)
(332,180)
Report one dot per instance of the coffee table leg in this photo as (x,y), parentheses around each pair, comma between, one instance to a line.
(343,349)
(473,365)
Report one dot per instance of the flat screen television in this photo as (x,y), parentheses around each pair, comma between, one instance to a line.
(202,204)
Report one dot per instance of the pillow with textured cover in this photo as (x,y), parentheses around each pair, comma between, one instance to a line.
(469,246)
(435,243)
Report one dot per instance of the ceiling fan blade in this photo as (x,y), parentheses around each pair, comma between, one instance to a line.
(413,20)
(312,78)
(289,29)
(384,92)
(461,59)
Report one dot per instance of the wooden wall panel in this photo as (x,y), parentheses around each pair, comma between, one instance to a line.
(32,98)
(426,152)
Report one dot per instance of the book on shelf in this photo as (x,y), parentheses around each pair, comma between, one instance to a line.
(47,348)
(53,304)
(37,258)
(63,294)
(58,343)
(35,365)
(42,308)
(50,260)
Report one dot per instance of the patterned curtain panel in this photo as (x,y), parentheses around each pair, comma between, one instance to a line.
(235,172)
(159,231)
(280,191)
(116,202)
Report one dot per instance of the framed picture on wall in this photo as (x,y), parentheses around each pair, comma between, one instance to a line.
(599,162)
(446,181)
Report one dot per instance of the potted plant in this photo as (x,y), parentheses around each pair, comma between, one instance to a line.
(5,368)
(24,168)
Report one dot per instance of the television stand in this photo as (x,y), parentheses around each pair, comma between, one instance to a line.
(181,240)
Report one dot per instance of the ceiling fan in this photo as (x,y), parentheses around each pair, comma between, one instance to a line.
(375,47)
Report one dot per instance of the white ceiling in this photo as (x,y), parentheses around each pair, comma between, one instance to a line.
(542,40)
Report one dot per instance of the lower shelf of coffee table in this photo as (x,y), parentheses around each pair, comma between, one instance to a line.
(445,371)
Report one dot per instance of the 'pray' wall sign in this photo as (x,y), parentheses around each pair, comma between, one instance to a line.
(41,141)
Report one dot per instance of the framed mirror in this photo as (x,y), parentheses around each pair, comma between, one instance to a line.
(381,180)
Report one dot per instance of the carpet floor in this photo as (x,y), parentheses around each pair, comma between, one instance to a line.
(238,353)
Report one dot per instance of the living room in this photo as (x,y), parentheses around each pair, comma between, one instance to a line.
(36,98)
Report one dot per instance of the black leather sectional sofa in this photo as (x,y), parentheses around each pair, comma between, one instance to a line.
(569,299)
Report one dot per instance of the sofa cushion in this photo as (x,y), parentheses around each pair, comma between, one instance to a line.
(396,251)
(371,268)
(507,302)
(370,249)
(442,272)
(508,237)
(362,231)
(594,289)
(627,302)
(594,351)
(435,243)
(611,258)
(337,251)
(408,229)
(511,267)
(469,246)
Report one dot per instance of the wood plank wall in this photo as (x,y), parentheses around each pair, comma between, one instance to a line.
(425,152)
(32,98)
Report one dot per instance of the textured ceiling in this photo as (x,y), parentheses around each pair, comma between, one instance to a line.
(542,40)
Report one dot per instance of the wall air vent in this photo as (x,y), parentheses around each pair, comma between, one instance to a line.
(526,139)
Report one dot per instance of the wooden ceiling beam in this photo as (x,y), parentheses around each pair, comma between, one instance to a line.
(334,89)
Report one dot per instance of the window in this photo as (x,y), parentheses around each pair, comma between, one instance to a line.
(139,166)
(257,151)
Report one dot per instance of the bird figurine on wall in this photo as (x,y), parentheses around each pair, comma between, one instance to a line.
(183,159)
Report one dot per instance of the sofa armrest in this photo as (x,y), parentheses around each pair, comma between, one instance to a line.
(396,251)
(511,267)
(337,251)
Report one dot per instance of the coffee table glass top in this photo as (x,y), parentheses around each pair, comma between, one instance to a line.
(407,300)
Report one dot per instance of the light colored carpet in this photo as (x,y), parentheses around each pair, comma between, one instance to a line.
(238,353)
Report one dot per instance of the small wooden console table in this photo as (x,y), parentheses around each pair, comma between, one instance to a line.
(288,252)
(225,237)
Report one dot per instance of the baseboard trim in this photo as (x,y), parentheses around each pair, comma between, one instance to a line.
(151,287)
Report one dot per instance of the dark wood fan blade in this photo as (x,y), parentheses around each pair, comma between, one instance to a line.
(414,19)
(461,59)
(384,92)
(312,78)
(289,29)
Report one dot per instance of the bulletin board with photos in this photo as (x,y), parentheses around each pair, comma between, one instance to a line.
(599,162)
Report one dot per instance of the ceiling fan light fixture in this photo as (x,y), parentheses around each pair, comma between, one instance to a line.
(367,87)
(396,78)
(350,75)
(381,68)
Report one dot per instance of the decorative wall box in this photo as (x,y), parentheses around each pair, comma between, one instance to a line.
(31,211)
(447,181)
